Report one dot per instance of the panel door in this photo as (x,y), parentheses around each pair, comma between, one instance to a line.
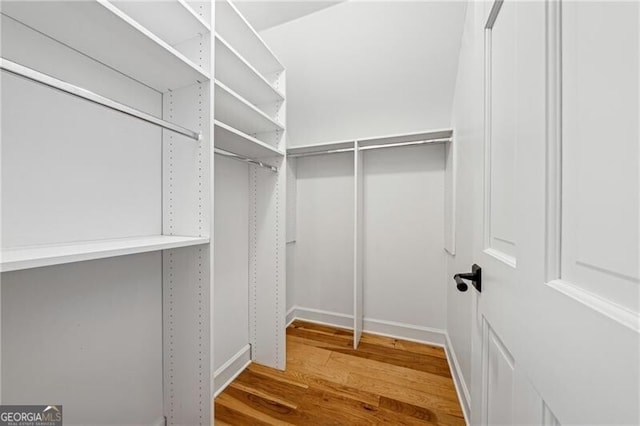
(556,325)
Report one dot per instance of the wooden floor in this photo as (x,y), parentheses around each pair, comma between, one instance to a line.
(328,383)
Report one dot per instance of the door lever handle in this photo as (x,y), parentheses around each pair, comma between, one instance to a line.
(475,276)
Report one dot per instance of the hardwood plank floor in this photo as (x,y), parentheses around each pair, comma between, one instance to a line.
(327,382)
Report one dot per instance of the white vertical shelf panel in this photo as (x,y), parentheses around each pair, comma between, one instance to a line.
(188,185)
(281,112)
(186,168)
(358,246)
(267,270)
(187,334)
(187,285)
(95,27)
(292,198)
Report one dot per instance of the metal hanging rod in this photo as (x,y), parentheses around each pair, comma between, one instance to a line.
(245,159)
(331,151)
(394,145)
(46,80)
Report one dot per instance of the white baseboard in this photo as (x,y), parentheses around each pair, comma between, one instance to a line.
(231,369)
(431,336)
(458,379)
(322,317)
(414,333)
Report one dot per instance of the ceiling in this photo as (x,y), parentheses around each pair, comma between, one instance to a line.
(366,68)
(266,14)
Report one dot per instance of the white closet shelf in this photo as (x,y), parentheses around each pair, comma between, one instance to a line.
(234,110)
(236,72)
(439,135)
(232,140)
(102,31)
(427,136)
(14,259)
(174,21)
(231,25)
(322,148)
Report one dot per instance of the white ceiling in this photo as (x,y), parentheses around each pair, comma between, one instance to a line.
(267,14)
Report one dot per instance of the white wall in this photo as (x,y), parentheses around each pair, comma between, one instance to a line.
(86,334)
(231,279)
(404,260)
(362,69)
(468,148)
(323,267)
(369,68)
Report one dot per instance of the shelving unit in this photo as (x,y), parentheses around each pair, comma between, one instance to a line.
(18,258)
(250,117)
(237,112)
(138,241)
(95,27)
(241,76)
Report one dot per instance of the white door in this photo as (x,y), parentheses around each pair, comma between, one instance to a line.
(556,324)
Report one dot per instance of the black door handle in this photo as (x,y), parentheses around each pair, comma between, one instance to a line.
(475,276)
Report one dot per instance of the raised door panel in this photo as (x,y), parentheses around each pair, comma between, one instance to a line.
(498,381)
(600,185)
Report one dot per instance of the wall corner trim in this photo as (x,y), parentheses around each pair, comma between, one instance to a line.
(291,316)
(231,369)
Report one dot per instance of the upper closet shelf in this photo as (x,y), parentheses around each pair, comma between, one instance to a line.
(14,259)
(321,148)
(236,72)
(235,29)
(174,21)
(105,33)
(232,109)
(427,136)
(232,140)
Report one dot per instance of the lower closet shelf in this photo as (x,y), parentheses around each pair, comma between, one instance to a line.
(14,259)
